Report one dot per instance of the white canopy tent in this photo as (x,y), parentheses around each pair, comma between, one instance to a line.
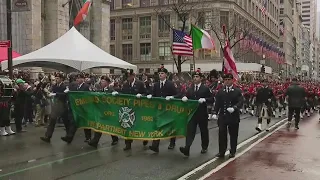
(73,50)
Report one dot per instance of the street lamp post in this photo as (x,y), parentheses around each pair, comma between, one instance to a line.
(9,38)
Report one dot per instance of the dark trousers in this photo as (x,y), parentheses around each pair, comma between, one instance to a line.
(233,129)
(87,133)
(59,109)
(192,129)
(28,114)
(4,116)
(156,143)
(296,112)
(97,136)
(18,116)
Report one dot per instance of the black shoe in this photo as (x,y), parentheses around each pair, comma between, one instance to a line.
(66,139)
(128,147)
(184,151)
(114,143)
(87,140)
(220,155)
(145,143)
(93,144)
(232,155)
(203,151)
(155,149)
(171,146)
(45,139)
(296,127)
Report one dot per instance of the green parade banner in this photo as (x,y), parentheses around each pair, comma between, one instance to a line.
(130,117)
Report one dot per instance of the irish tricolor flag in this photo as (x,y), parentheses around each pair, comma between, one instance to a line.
(82,14)
(201,39)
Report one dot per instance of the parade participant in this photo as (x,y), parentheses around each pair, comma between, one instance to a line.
(229,101)
(5,104)
(19,98)
(59,107)
(296,97)
(135,87)
(103,87)
(198,91)
(166,89)
(213,85)
(264,105)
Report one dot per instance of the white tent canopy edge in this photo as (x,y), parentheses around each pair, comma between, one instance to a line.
(74,50)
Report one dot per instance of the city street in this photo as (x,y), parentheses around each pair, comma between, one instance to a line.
(25,156)
(286,154)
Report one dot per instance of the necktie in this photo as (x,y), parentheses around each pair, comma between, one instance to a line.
(196,88)
(161,86)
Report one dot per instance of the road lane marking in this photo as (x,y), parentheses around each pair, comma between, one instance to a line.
(240,154)
(203,166)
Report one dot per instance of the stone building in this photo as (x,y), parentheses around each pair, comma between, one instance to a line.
(140,32)
(47,20)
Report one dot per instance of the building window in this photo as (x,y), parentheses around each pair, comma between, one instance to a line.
(281,44)
(164,51)
(112,5)
(145,51)
(224,18)
(163,2)
(127,52)
(111,71)
(281,10)
(281,1)
(127,3)
(145,27)
(127,28)
(141,70)
(112,29)
(144,3)
(112,50)
(147,70)
(163,25)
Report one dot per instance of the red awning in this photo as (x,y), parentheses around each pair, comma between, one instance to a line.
(4,54)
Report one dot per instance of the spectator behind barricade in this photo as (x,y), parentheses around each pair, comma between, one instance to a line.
(28,109)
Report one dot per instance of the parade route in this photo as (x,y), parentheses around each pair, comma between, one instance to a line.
(284,155)
(26,157)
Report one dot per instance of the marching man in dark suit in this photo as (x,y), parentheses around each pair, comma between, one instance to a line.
(59,107)
(198,91)
(135,87)
(229,101)
(166,89)
(104,87)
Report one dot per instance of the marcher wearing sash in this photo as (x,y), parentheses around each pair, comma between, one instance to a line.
(200,92)
(166,89)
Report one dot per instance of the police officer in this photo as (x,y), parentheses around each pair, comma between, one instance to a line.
(200,92)
(166,89)
(132,86)
(228,103)
(59,107)
(103,87)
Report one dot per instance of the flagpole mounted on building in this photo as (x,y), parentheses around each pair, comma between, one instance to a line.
(9,38)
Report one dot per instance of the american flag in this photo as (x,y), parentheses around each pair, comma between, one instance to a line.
(182,44)
(264,7)
(281,28)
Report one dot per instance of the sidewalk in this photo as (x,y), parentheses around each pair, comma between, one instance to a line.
(285,155)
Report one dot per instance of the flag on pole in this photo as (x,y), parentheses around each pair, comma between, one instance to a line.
(182,43)
(229,63)
(83,13)
(201,39)
(264,7)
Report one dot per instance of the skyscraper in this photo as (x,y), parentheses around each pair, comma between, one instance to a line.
(309,15)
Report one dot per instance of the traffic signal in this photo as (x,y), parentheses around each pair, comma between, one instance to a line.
(263,69)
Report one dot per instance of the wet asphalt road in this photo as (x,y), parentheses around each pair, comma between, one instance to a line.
(25,157)
(287,154)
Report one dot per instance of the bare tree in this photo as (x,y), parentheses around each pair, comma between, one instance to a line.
(184,10)
(237,30)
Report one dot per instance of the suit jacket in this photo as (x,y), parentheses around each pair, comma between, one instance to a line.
(296,96)
(224,100)
(137,88)
(263,94)
(59,90)
(167,90)
(83,87)
(203,92)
